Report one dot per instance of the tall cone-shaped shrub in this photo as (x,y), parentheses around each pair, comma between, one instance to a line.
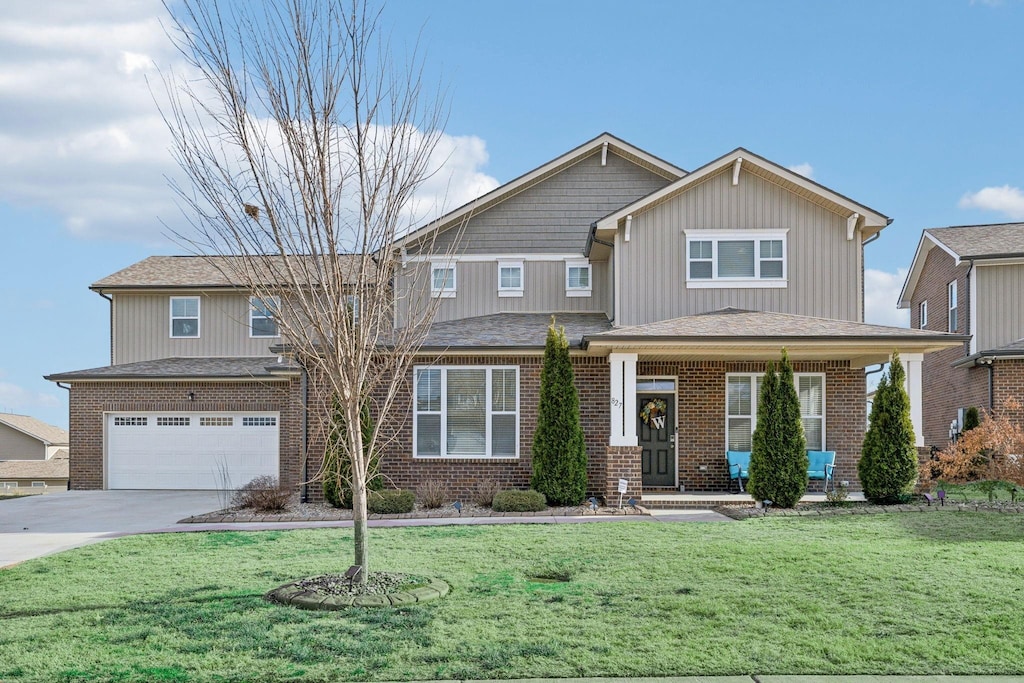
(888,461)
(337,465)
(778,457)
(559,452)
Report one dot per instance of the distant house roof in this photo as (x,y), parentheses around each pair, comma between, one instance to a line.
(47,433)
(259,367)
(202,272)
(53,468)
(964,243)
(512,330)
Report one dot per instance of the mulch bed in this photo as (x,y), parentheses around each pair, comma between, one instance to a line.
(863,508)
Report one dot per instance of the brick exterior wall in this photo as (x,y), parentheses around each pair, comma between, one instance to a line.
(461,475)
(90,400)
(622,462)
(701,416)
(945,389)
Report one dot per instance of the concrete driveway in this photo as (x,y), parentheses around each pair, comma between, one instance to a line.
(41,525)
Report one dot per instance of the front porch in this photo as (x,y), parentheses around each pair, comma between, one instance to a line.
(711,499)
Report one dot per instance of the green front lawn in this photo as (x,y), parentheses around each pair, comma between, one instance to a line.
(906,593)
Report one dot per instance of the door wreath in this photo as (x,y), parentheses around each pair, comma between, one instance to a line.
(653,409)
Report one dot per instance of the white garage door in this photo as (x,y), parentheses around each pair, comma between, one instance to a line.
(190,450)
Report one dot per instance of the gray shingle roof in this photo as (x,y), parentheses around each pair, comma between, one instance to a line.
(736,323)
(980,241)
(169,368)
(53,468)
(36,428)
(190,271)
(508,330)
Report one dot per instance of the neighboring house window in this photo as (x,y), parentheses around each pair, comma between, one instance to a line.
(8,484)
(466,412)
(922,315)
(184,316)
(38,484)
(442,281)
(510,278)
(578,278)
(352,302)
(742,393)
(953,321)
(742,259)
(263,316)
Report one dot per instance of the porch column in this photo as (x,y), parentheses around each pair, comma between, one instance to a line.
(912,367)
(622,406)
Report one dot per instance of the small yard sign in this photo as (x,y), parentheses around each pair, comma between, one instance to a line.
(623,483)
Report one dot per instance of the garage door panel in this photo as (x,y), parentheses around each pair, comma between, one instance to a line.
(193,451)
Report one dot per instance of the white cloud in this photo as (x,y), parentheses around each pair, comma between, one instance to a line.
(1005,199)
(81,134)
(16,399)
(804,169)
(881,292)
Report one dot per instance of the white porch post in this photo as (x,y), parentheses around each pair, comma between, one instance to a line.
(912,367)
(623,399)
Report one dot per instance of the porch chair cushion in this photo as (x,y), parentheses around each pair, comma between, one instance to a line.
(821,465)
(739,464)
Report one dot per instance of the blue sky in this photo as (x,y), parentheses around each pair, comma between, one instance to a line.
(913,108)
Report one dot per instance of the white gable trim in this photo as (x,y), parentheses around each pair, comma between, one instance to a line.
(527,180)
(869,217)
(924,245)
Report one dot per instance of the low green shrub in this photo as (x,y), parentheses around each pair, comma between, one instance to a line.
(838,496)
(519,501)
(390,502)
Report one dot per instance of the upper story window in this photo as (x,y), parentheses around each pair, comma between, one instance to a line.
(510,278)
(184,316)
(352,302)
(953,318)
(442,280)
(578,281)
(922,315)
(752,258)
(263,316)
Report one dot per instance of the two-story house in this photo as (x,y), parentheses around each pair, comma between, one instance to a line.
(968,279)
(675,289)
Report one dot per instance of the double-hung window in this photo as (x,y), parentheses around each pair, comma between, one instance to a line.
(953,317)
(510,278)
(922,315)
(751,258)
(442,280)
(263,316)
(466,412)
(184,316)
(742,394)
(578,278)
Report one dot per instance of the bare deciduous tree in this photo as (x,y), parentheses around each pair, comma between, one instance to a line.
(303,143)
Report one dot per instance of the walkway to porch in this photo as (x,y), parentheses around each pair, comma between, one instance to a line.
(662,501)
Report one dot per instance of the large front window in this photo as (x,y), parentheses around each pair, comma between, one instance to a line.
(753,258)
(742,392)
(466,412)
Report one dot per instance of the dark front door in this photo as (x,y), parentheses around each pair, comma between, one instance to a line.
(656,428)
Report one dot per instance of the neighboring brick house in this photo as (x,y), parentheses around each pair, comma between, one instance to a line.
(968,280)
(675,289)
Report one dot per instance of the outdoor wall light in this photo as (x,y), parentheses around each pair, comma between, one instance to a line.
(192,396)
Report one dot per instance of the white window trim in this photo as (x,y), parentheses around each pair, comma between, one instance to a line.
(172,317)
(444,412)
(449,291)
(952,301)
(922,315)
(512,291)
(276,305)
(39,485)
(716,236)
(579,291)
(754,400)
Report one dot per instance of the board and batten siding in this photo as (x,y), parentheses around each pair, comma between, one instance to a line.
(142,328)
(477,290)
(1000,315)
(17,445)
(824,268)
(554,215)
